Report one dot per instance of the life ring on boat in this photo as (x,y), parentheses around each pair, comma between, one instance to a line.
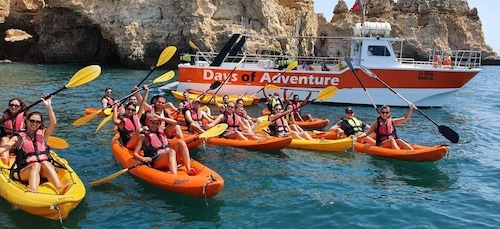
(437,61)
(447,61)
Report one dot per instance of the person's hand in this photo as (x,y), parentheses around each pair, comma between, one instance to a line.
(145,87)
(147,160)
(136,88)
(410,104)
(47,100)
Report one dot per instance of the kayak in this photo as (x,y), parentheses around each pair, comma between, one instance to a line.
(205,183)
(46,202)
(255,98)
(267,143)
(419,154)
(91,110)
(339,145)
(331,134)
(179,95)
(316,123)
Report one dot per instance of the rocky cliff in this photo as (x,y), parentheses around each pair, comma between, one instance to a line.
(133,33)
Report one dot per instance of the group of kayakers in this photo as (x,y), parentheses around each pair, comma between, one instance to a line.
(25,136)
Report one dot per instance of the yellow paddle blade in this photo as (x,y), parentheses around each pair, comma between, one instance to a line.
(57,143)
(108,178)
(166,55)
(104,121)
(165,77)
(84,76)
(292,65)
(214,131)
(263,118)
(107,111)
(272,87)
(85,118)
(261,126)
(192,45)
(327,93)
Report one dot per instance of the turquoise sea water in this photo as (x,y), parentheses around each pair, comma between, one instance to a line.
(287,188)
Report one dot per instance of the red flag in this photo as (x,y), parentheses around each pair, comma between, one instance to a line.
(356,6)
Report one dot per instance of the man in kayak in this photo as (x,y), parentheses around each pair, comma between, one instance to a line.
(385,129)
(350,125)
(272,100)
(107,100)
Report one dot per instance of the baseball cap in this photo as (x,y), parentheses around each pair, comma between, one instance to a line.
(276,93)
(348,109)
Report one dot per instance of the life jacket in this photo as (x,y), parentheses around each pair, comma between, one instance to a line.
(16,123)
(385,130)
(296,106)
(130,126)
(187,104)
(274,101)
(232,120)
(158,143)
(31,151)
(278,126)
(145,119)
(351,126)
(109,99)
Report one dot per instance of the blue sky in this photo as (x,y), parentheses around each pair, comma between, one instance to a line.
(488,13)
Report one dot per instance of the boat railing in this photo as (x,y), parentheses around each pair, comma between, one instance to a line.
(456,59)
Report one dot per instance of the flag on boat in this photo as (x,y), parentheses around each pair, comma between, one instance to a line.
(356,6)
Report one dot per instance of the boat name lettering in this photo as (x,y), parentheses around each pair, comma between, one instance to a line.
(180,181)
(426,75)
(220,76)
(248,78)
(300,79)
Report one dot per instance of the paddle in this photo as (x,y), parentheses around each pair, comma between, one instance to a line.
(212,132)
(81,77)
(447,132)
(165,77)
(227,78)
(324,94)
(165,56)
(290,66)
(362,85)
(192,45)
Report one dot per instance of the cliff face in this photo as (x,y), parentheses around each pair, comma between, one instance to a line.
(133,33)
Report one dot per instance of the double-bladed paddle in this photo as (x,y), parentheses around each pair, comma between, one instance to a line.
(359,80)
(212,132)
(227,78)
(447,132)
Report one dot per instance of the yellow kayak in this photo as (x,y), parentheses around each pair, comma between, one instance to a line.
(179,95)
(339,145)
(47,201)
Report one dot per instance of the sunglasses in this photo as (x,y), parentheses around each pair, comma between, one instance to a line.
(349,112)
(32,121)
(385,112)
(278,109)
(14,105)
(130,109)
(230,106)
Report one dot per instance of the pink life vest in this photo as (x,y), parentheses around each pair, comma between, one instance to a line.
(196,115)
(279,125)
(233,121)
(385,130)
(158,143)
(35,150)
(109,99)
(16,124)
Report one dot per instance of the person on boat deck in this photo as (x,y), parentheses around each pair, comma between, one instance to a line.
(235,125)
(324,67)
(194,117)
(158,109)
(350,125)
(385,129)
(279,125)
(11,120)
(128,124)
(157,150)
(32,152)
(297,106)
(240,110)
(272,101)
(222,106)
(107,100)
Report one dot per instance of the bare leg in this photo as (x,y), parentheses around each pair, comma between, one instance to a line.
(172,162)
(404,144)
(32,174)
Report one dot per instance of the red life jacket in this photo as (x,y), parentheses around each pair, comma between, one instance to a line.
(385,130)
(109,99)
(130,126)
(233,121)
(278,126)
(148,118)
(33,150)
(158,144)
(17,123)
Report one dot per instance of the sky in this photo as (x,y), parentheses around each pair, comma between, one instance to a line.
(488,11)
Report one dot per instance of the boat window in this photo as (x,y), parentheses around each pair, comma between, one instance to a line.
(378,51)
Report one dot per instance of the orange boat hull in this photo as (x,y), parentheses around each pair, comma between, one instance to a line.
(270,143)
(420,154)
(91,110)
(206,182)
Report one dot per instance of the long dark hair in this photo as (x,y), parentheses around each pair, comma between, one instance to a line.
(42,126)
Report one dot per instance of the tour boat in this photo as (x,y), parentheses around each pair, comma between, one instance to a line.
(428,83)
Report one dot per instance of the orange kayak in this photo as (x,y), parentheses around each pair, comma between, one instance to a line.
(316,123)
(91,110)
(420,153)
(268,143)
(205,183)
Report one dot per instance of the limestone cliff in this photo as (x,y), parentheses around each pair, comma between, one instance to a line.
(133,33)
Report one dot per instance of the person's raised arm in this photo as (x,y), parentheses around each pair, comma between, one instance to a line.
(406,118)
(52,117)
(306,100)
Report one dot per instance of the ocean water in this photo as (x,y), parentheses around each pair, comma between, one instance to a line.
(282,189)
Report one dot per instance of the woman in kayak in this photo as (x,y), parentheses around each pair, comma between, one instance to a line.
(33,158)
(128,124)
(236,127)
(194,117)
(385,129)
(11,120)
(279,125)
(297,105)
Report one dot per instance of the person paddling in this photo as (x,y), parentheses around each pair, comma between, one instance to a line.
(11,120)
